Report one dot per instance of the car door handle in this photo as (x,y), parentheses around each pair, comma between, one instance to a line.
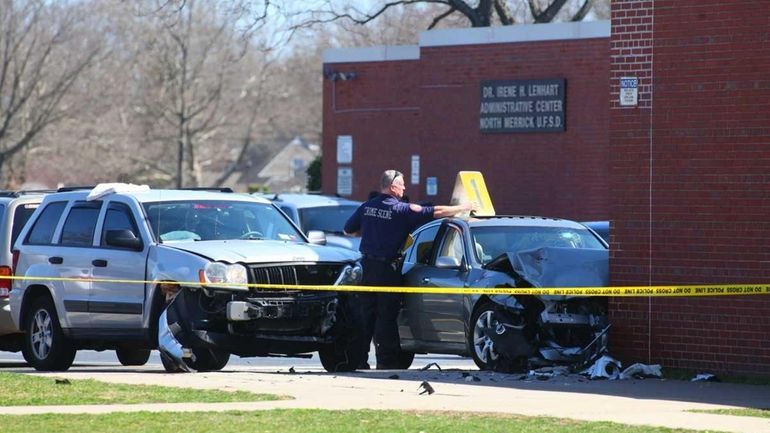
(425,280)
(55,260)
(99,263)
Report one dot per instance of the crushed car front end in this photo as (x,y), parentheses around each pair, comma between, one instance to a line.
(536,330)
(268,318)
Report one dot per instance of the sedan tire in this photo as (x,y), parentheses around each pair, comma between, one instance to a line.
(481,347)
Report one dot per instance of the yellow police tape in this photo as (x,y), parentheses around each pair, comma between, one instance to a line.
(689,290)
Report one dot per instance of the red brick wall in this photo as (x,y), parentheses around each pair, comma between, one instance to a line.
(689,180)
(562,174)
(377,108)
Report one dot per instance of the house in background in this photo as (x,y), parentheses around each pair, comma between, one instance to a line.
(286,171)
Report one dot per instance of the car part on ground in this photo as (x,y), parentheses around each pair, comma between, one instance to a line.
(203,248)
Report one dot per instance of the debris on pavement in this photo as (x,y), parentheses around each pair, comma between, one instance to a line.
(546,373)
(426,388)
(704,377)
(393,376)
(432,364)
(605,367)
(641,371)
(472,378)
(291,370)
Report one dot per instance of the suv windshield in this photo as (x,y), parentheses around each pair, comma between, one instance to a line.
(492,241)
(204,220)
(330,219)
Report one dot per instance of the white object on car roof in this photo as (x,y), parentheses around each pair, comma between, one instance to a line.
(104,189)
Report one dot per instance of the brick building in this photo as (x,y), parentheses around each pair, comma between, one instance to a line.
(400,102)
(681,173)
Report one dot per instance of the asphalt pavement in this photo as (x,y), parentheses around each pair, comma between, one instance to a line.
(457,386)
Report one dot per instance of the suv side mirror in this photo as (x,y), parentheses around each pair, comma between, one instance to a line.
(446,262)
(316,237)
(123,239)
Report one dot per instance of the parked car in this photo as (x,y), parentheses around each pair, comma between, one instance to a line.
(505,332)
(15,209)
(602,228)
(319,212)
(131,269)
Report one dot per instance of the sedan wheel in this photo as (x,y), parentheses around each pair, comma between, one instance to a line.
(482,347)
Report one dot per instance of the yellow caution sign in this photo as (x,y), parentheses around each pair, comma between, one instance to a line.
(469,187)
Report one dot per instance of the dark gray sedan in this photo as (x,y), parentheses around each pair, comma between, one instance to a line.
(505,332)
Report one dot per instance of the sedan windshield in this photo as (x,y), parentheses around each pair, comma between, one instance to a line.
(330,219)
(205,220)
(492,241)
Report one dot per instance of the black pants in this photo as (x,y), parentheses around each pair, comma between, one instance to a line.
(380,312)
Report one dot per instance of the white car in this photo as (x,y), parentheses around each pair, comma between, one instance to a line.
(16,207)
(131,269)
(319,212)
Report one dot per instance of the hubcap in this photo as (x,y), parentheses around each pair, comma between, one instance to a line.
(483,345)
(41,334)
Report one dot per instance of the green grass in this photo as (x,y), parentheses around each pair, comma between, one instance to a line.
(307,420)
(25,390)
(760,413)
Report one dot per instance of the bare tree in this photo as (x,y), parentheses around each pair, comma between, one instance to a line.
(193,63)
(477,13)
(42,55)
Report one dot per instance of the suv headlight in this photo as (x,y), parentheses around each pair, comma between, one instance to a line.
(221,274)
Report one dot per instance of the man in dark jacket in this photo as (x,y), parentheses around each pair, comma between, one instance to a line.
(384,223)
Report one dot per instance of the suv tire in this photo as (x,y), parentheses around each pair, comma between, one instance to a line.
(345,353)
(45,346)
(209,360)
(132,356)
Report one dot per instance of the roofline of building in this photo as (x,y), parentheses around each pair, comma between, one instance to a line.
(471,36)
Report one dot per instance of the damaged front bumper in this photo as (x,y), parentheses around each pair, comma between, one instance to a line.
(546,333)
(245,324)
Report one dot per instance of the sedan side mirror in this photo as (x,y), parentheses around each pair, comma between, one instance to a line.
(446,262)
(316,237)
(123,239)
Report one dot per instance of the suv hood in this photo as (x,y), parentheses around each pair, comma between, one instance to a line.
(260,251)
(349,242)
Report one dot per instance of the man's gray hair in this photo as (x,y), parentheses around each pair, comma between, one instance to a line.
(388,176)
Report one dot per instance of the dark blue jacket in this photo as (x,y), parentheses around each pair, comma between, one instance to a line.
(384,223)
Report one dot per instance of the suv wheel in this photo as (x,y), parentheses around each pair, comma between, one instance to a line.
(45,346)
(345,353)
(132,356)
(209,360)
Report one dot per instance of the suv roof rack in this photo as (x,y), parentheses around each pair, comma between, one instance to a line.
(75,188)
(25,192)
(208,188)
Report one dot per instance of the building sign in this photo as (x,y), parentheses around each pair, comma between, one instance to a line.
(344,149)
(415,169)
(522,106)
(431,185)
(345,181)
(629,91)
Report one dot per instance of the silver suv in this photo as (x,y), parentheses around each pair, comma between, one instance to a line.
(128,268)
(15,209)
